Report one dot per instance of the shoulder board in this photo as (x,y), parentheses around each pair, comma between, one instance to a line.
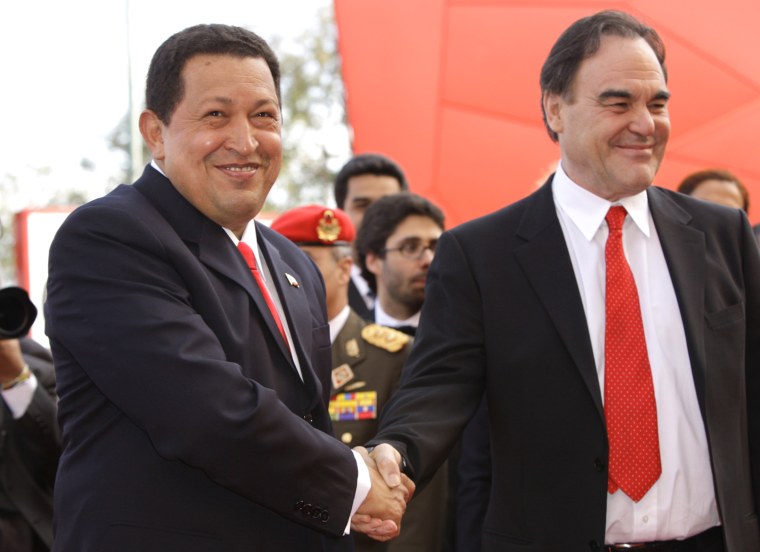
(385,338)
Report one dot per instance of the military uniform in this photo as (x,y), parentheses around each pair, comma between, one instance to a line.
(368,360)
(367,363)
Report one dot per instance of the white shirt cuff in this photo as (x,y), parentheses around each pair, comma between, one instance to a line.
(19,397)
(363,486)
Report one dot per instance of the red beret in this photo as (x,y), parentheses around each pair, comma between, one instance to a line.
(315,225)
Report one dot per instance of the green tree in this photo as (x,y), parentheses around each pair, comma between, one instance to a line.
(315,134)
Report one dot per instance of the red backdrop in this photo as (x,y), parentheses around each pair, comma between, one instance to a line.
(449,89)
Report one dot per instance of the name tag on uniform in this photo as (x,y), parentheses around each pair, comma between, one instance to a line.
(353,406)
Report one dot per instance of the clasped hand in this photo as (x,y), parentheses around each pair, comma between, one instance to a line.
(380,514)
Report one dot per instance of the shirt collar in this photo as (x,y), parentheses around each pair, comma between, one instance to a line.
(384,319)
(337,323)
(249,235)
(587,210)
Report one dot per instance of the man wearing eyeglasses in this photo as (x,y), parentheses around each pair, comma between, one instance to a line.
(395,246)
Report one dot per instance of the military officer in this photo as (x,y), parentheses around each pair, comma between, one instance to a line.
(367,358)
(367,364)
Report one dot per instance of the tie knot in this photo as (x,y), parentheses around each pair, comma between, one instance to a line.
(615,217)
(247,253)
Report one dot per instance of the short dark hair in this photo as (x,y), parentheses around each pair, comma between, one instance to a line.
(582,40)
(164,88)
(366,163)
(689,184)
(380,221)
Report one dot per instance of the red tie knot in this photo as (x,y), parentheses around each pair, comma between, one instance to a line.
(247,253)
(615,218)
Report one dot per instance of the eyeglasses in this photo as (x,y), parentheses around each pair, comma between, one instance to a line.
(412,248)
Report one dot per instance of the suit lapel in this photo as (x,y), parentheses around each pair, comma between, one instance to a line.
(294,303)
(545,259)
(684,250)
(212,245)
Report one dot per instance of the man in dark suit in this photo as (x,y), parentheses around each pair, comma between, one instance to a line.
(191,346)
(517,308)
(360,182)
(30,446)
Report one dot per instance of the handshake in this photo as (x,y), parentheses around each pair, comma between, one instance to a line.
(379,516)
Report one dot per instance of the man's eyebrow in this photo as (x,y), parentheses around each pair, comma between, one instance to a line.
(615,93)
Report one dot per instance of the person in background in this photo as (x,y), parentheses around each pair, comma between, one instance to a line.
(721,187)
(31,442)
(394,247)
(367,359)
(191,344)
(613,325)
(718,186)
(362,180)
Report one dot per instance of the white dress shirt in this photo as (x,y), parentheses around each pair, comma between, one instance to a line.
(682,502)
(385,319)
(19,397)
(337,323)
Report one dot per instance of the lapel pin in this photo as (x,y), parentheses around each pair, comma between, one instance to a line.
(292,281)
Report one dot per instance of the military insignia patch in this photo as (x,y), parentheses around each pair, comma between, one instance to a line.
(328,228)
(352,348)
(385,338)
(355,385)
(353,406)
(341,375)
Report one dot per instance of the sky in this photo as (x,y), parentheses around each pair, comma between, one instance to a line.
(65,83)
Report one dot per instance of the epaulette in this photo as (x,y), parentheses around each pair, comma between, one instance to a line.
(384,337)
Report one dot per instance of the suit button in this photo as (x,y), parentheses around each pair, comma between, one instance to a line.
(307,509)
(308,417)
(598,464)
(299,505)
(325,516)
(316,512)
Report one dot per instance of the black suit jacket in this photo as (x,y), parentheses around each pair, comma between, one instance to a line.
(30,447)
(503,315)
(185,423)
(357,303)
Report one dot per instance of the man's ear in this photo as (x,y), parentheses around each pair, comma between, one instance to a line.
(553,104)
(344,268)
(152,130)
(373,262)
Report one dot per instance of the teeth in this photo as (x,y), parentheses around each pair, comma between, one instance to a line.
(240,169)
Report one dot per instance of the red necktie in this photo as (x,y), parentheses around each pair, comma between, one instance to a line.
(250,259)
(629,403)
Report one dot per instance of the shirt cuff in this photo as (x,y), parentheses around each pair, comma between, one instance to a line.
(19,397)
(363,486)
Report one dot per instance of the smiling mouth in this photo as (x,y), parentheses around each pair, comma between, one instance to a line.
(247,168)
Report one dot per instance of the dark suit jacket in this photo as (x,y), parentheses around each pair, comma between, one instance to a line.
(30,447)
(357,303)
(503,315)
(185,424)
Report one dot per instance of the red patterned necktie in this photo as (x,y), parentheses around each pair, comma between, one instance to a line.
(629,403)
(250,260)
